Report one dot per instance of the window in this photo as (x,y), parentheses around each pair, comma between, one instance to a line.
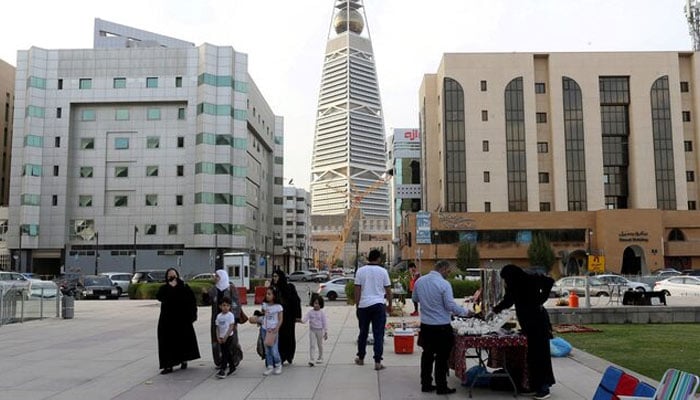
(172,229)
(153,114)
(544,177)
(60,84)
(151,82)
(180,142)
(121,143)
(686,116)
(119,83)
(692,205)
(181,113)
(57,141)
(152,200)
(150,229)
(487,176)
(121,172)
(483,86)
(55,170)
(153,142)
(545,206)
(121,201)
(688,145)
(178,81)
(541,118)
(685,88)
(484,145)
(180,170)
(121,115)
(86,172)
(87,143)
(484,115)
(540,88)
(59,112)
(88,115)
(487,206)
(542,147)
(85,83)
(179,200)
(54,200)
(85,201)
(152,170)
(690,176)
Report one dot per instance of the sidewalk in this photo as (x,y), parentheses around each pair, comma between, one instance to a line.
(109,351)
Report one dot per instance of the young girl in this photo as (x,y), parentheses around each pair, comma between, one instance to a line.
(272,320)
(318,329)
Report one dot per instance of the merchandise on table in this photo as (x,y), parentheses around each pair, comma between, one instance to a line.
(477,326)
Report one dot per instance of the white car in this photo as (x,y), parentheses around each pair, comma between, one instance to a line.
(120,279)
(679,286)
(623,283)
(334,289)
(303,276)
(44,289)
(17,281)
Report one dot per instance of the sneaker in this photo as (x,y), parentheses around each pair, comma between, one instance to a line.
(278,370)
(319,361)
(311,363)
(268,371)
(221,374)
(359,361)
(378,366)
(542,395)
(231,371)
(415,314)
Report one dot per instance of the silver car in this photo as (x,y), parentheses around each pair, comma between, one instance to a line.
(596,287)
(120,279)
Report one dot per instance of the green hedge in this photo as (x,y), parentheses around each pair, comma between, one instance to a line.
(460,289)
(148,291)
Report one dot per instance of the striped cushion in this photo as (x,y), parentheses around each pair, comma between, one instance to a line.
(677,385)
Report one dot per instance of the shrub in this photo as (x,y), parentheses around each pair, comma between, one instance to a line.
(148,291)
(350,292)
(463,288)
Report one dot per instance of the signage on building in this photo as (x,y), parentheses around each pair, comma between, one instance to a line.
(633,236)
(596,264)
(407,135)
(423,227)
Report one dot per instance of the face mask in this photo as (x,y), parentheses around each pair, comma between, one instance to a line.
(171,278)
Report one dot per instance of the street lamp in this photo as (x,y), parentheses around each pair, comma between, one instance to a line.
(435,237)
(588,265)
(97,250)
(19,261)
(133,255)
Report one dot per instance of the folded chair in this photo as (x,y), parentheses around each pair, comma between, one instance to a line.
(675,385)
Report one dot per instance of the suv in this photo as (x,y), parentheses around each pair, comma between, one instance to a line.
(120,279)
(150,275)
(17,281)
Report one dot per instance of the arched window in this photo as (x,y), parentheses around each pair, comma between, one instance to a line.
(515,146)
(663,144)
(676,235)
(574,145)
(455,154)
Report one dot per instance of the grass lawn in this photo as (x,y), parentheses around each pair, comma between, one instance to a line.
(648,349)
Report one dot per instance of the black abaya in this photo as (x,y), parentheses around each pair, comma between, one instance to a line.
(291,312)
(177,341)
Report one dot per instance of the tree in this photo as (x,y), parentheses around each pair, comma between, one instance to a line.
(540,252)
(467,256)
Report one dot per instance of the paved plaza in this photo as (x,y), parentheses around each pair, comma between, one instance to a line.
(109,351)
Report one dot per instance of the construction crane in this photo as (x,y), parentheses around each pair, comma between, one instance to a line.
(692,14)
(352,213)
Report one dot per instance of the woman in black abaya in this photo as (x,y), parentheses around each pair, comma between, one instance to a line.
(177,341)
(291,305)
(528,292)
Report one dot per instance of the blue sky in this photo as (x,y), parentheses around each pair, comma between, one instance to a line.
(285,40)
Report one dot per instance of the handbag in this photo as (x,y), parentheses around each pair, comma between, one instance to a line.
(270,338)
(242,318)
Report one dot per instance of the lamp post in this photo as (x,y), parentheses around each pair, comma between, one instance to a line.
(19,261)
(588,260)
(133,255)
(419,256)
(435,237)
(97,251)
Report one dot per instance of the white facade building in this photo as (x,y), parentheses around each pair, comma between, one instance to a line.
(296,232)
(154,151)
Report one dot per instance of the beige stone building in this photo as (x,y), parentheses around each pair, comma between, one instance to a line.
(7,91)
(597,151)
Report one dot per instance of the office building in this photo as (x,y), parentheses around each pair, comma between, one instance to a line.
(296,233)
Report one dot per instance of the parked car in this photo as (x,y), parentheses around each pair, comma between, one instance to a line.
(304,276)
(207,276)
(691,272)
(566,285)
(322,276)
(45,289)
(472,274)
(149,275)
(334,289)
(97,287)
(17,281)
(679,286)
(119,279)
(666,273)
(623,283)
(335,272)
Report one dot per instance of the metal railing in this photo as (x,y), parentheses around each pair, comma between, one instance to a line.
(19,304)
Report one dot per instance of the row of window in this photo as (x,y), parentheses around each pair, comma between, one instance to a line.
(151,200)
(152,142)
(540,117)
(151,82)
(541,88)
(544,177)
(151,170)
(543,147)
(120,83)
(547,206)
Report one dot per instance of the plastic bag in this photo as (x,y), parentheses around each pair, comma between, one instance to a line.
(480,374)
(559,347)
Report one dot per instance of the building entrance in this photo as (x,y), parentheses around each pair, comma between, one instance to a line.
(632,261)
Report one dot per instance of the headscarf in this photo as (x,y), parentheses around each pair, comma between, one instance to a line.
(223,282)
(281,279)
(513,275)
(177,274)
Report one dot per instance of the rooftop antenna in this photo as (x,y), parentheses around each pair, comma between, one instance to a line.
(692,14)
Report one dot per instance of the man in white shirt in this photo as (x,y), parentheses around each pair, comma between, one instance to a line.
(372,287)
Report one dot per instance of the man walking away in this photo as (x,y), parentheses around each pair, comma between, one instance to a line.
(372,287)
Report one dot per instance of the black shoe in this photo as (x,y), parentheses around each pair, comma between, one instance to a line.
(428,389)
(445,390)
(542,395)
(183,365)
(166,370)
(231,371)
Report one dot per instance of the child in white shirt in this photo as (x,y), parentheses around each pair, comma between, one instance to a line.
(318,329)
(272,320)
(225,324)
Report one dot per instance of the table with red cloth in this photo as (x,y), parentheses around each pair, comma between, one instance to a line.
(506,351)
